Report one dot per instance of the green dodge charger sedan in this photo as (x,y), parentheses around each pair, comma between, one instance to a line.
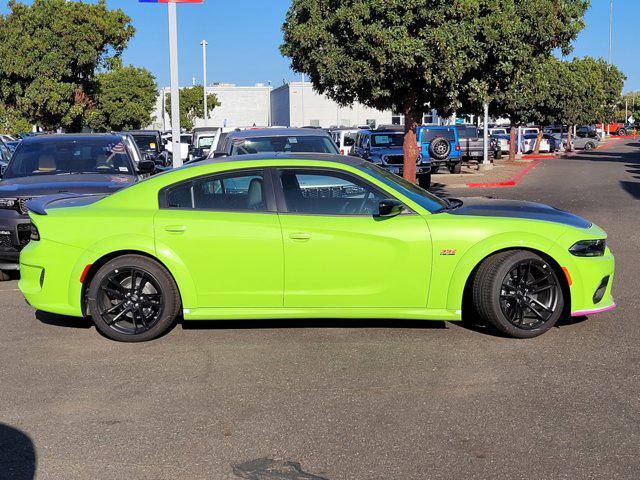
(307,236)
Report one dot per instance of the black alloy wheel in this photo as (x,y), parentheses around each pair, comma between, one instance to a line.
(519,293)
(131,301)
(529,294)
(133,298)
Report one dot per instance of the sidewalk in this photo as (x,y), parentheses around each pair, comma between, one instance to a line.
(504,172)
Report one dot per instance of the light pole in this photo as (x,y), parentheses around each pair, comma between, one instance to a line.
(610,28)
(175,85)
(204,78)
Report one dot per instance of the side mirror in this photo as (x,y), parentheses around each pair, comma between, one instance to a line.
(2,169)
(220,154)
(146,166)
(390,208)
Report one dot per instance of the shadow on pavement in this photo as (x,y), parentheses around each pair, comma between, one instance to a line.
(311,323)
(17,454)
(62,320)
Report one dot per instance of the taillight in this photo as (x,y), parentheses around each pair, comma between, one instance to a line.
(35,234)
(342,151)
(457,148)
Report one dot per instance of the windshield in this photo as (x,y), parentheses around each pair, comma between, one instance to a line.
(428,135)
(423,198)
(146,143)
(387,140)
(292,144)
(61,156)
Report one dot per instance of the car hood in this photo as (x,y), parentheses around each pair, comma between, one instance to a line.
(489,207)
(52,184)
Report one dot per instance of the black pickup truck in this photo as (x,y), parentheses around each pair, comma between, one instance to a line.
(55,164)
(472,144)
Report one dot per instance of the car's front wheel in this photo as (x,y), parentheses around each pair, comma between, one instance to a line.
(455,167)
(132,298)
(4,276)
(519,293)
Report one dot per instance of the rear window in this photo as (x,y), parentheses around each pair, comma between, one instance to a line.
(146,143)
(287,144)
(428,134)
(387,140)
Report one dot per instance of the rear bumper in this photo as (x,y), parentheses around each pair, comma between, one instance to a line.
(48,280)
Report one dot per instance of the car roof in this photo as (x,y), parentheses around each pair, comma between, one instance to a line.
(143,132)
(278,132)
(70,136)
(321,157)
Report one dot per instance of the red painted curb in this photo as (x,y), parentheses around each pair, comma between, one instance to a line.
(512,182)
(533,157)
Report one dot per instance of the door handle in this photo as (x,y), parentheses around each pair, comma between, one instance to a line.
(176,228)
(299,236)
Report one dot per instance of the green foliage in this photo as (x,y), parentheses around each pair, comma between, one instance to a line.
(629,102)
(580,91)
(192,105)
(124,99)
(49,53)
(400,54)
(12,121)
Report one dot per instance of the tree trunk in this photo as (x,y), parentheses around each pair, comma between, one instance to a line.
(569,138)
(410,148)
(512,144)
(536,150)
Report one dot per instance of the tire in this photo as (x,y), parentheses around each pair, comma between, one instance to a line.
(424,181)
(136,324)
(439,148)
(622,132)
(497,155)
(589,146)
(4,276)
(499,306)
(455,168)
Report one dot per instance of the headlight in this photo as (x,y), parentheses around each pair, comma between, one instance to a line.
(589,248)
(8,202)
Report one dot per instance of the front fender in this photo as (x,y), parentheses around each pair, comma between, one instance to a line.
(481,250)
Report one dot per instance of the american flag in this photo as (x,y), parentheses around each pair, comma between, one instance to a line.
(118,148)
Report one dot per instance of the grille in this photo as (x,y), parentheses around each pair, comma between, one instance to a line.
(24,233)
(5,241)
(394,159)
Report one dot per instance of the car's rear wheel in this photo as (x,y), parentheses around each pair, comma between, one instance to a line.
(424,180)
(589,146)
(519,293)
(133,299)
(456,167)
(622,132)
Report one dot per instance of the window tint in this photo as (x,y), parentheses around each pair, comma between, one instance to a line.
(243,191)
(388,140)
(429,135)
(328,193)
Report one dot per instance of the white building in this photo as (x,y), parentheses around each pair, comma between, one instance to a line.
(293,104)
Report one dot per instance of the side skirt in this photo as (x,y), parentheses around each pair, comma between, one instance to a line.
(284,313)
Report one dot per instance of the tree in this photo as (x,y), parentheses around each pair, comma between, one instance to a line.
(49,53)
(12,122)
(192,105)
(406,54)
(124,99)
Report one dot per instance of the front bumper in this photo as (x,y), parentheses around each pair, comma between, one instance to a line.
(14,235)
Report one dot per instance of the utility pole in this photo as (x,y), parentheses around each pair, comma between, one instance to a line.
(486,164)
(610,28)
(204,78)
(302,100)
(175,85)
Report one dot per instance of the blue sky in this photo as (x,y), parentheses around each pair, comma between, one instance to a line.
(244,36)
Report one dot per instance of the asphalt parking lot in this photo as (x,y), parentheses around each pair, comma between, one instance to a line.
(342,400)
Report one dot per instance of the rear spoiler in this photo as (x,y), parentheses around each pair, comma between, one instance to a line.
(40,205)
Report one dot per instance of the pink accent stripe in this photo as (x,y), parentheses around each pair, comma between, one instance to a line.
(591,312)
